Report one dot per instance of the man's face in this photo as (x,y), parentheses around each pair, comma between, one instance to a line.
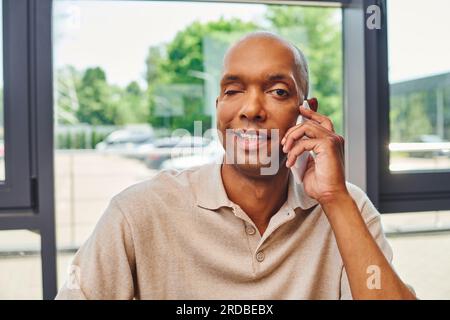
(259,92)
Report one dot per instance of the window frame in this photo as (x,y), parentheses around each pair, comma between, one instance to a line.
(29,88)
(409,191)
(15,190)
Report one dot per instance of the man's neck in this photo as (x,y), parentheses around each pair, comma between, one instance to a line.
(259,197)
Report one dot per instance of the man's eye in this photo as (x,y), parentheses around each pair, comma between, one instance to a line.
(231,92)
(281,92)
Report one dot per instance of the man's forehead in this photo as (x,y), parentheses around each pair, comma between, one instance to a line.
(259,57)
(262,65)
(260,47)
(274,75)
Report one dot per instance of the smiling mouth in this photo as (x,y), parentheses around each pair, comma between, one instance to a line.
(250,140)
(260,135)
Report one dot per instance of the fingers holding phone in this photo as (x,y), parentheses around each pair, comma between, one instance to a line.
(315,135)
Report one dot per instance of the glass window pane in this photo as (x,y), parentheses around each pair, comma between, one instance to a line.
(20,265)
(419,75)
(421,256)
(2,139)
(124,90)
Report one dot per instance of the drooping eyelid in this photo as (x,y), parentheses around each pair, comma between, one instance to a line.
(229,79)
(230,83)
(232,87)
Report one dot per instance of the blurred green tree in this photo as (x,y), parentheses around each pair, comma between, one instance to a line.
(410,116)
(131,106)
(95,98)
(66,86)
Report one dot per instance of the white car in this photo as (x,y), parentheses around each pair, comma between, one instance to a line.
(174,147)
(212,153)
(126,142)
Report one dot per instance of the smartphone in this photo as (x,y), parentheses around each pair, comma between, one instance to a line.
(298,169)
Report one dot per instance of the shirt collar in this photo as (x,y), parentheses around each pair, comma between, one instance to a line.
(297,196)
(210,192)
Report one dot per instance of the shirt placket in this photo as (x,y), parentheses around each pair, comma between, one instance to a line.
(256,241)
(250,229)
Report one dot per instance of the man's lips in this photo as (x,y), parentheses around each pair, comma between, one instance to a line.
(261,134)
(250,140)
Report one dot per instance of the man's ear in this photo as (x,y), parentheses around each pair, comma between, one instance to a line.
(217,101)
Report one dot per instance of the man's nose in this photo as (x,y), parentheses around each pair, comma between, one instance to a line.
(253,108)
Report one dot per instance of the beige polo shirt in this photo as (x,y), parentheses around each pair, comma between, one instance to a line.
(178,236)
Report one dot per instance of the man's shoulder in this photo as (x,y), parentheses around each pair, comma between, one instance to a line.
(363,202)
(356,192)
(168,187)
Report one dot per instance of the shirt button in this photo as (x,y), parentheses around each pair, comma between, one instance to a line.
(250,230)
(260,256)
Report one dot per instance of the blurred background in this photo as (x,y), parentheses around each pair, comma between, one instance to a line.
(127,74)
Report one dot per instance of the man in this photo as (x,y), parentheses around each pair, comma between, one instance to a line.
(226,231)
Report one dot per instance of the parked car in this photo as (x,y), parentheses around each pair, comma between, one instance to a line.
(212,153)
(126,142)
(433,141)
(173,147)
(142,150)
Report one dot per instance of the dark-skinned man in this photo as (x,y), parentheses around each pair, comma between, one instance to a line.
(228,231)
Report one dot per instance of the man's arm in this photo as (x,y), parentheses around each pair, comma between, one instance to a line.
(361,255)
(324,180)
